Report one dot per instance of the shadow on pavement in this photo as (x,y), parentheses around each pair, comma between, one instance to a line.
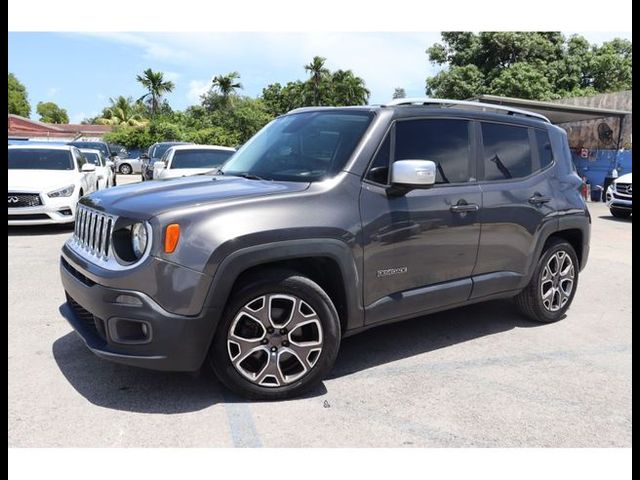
(132,389)
(30,230)
(611,218)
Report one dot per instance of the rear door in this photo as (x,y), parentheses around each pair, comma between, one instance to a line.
(516,181)
(420,248)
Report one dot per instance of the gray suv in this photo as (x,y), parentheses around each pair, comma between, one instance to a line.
(329,221)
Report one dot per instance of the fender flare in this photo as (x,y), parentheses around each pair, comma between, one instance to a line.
(242,259)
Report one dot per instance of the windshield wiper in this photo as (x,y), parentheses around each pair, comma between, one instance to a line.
(248,176)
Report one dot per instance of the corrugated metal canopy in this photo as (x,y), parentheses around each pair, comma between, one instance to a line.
(555,112)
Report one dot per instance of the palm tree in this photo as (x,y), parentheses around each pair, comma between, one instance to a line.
(349,89)
(318,71)
(227,84)
(156,85)
(121,112)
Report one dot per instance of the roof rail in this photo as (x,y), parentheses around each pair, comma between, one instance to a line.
(464,104)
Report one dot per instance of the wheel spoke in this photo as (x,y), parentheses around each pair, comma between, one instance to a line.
(271,374)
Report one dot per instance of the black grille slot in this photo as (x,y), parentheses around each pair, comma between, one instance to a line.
(94,324)
(29,216)
(16,200)
(83,278)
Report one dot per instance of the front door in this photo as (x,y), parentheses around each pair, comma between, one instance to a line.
(420,248)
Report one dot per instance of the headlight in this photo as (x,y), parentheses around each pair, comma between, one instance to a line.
(62,192)
(139,239)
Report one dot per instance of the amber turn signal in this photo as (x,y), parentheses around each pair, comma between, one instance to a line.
(171,237)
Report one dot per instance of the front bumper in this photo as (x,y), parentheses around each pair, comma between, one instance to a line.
(615,200)
(99,313)
(53,211)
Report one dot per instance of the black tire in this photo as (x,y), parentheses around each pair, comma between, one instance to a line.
(125,169)
(277,282)
(530,302)
(620,213)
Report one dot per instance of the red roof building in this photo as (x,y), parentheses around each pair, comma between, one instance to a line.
(23,128)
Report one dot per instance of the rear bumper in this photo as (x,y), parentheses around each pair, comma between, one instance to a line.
(171,342)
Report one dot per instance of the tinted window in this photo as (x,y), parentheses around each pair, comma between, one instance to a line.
(92,158)
(93,146)
(445,142)
(39,159)
(507,152)
(301,147)
(544,148)
(379,170)
(160,149)
(199,158)
(80,158)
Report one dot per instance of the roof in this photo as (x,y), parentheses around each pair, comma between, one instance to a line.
(202,147)
(555,112)
(90,150)
(40,146)
(18,125)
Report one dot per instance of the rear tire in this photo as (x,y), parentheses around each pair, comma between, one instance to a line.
(298,364)
(553,284)
(620,213)
(125,169)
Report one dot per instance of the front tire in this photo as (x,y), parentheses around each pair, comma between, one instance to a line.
(553,285)
(278,337)
(125,169)
(620,213)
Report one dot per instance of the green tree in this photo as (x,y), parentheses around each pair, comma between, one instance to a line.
(122,111)
(156,87)
(534,65)
(18,100)
(318,72)
(399,92)
(226,85)
(51,113)
(348,89)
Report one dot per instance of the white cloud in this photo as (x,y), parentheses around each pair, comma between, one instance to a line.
(172,76)
(52,92)
(78,117)
(152,48)
(197,88)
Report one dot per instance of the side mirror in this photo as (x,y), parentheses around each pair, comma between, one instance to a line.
(144,156)
(109,163)
(88,167)
(407,175)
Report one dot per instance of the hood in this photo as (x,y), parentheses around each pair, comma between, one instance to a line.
(148,199)
(39,180)
(626,178)
(182,172)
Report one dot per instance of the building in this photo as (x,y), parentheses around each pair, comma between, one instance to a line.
(21,128)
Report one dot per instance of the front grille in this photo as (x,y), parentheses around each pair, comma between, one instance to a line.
(94,324)
(623,188)
(30,216)
(15,200)
(83,278)
(93,231)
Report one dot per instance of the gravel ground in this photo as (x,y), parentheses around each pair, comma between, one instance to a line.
(476,376)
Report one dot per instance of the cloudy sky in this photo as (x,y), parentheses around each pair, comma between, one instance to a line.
(80,71)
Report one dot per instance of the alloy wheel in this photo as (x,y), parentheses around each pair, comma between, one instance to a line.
(556,282)
(275,339)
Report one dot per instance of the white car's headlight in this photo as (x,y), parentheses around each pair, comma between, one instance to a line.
(139,239)
(62,192)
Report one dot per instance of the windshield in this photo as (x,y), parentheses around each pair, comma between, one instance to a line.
(302,147)
(93,146)
(93,158)
(200,158)
(159,150)
(39,159)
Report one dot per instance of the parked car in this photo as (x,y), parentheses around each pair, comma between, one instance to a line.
(327,222)
(127,166)
(619,195)
(105,175)
(186,160)
(45,183)
(155,153)
(119,150)
(110,156)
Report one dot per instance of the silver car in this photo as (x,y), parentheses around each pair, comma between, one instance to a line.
(127,166)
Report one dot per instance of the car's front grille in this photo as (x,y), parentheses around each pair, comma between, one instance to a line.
(94,324)
(623,188)
(15,200)
(29,216)
(93,231)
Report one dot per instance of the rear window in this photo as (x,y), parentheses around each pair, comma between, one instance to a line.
(200,158)
(507,151)
(39,159)
(92,158)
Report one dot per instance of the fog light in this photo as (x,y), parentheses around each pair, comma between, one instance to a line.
(128,300)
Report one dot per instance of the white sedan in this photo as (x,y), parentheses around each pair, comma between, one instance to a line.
(104,173)
(185,160)
(45,183)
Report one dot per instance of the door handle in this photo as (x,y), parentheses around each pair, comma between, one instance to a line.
(538,199)
(461,207)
